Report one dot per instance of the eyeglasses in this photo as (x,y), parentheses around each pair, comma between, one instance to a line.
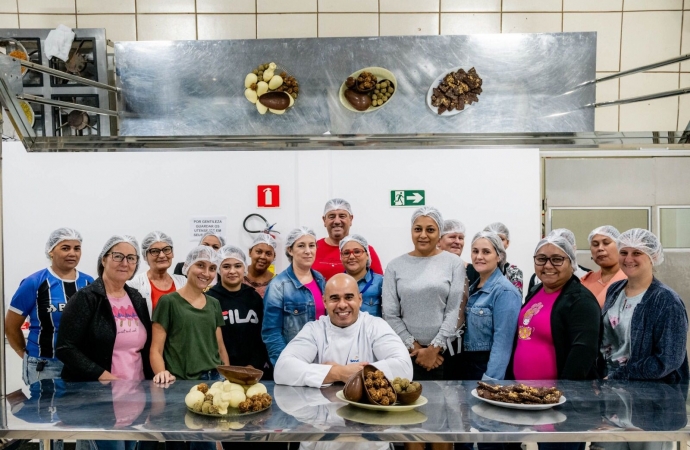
(556,261)
(357,252)
(157,251)
(119,257)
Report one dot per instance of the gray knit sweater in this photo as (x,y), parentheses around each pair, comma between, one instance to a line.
(421,297)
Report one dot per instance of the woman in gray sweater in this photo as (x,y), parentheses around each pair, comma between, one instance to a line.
(422,291)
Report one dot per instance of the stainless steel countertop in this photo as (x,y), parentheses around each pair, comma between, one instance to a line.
(634,411)
(196,88)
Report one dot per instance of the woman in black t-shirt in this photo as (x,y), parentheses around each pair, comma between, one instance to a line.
(242,309)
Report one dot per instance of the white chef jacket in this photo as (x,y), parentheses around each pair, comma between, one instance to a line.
(370,339)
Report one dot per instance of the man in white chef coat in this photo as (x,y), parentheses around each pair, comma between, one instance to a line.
(340,343)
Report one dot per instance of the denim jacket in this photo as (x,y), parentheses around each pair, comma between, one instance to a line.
(371,298)
(658,335)
(491,317)
(288,306)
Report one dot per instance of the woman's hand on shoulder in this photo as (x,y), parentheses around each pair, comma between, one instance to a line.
(164,377)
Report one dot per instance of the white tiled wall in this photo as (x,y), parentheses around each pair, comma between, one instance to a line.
(630,32)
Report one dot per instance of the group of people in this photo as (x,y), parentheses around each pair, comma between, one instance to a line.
(429,316)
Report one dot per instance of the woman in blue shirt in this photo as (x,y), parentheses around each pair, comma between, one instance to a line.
(355,256)
(491,313)
(294,296)
(42,297)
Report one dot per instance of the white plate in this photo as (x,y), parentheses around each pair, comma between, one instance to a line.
(360,415)
(527,418)
(431,91)
(517,405)
(381,74)
(394,408)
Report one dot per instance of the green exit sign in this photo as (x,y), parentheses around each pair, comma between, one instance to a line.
(407,198)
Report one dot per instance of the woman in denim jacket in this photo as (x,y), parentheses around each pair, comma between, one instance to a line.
(645,322)
(491,312)
(294,296)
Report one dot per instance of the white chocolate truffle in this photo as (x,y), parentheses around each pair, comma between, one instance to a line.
(261,88)
(275,82)
(251,95)
(250,79)
(261,108)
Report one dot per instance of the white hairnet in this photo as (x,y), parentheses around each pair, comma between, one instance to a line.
(604,230)
(211,233)
(152,238)
(294,235)
(563,244)
(361,241)
(264,238)
(644,241)
(497,243)
(112,242)
(431,212)
(337,203)
(59,235)
(564,233)
(452,226)
(200,253)
(498,228)
(230,251)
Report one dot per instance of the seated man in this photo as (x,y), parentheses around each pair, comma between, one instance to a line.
(338,345)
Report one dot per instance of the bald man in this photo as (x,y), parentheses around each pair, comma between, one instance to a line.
(340,343)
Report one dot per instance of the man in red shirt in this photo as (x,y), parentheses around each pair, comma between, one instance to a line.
(337,218)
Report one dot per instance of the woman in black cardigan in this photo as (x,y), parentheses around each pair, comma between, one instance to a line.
(105,331)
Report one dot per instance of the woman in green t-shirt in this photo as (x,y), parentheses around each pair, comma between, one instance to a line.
(187,340)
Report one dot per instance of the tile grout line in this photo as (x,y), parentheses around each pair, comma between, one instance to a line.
(680,51)
(563,20)
(379,15)
(76,16)
(256,18)
(19,24)
(620,63)
(439,17)
(500,22)
(196,21)
(136,21)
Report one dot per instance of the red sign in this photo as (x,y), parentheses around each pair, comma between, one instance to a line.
(268,196)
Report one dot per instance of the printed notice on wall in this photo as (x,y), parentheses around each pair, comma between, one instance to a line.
(198,226)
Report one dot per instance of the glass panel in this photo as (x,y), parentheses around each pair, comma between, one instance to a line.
(583,221)
(675,227)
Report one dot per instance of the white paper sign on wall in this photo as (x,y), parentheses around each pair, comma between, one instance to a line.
(200,225)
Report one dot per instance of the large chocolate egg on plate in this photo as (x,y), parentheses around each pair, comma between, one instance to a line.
(275,100)
(361,102)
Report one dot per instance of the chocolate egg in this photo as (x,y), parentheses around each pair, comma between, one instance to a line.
(358,101)
(353,387)
(275,100)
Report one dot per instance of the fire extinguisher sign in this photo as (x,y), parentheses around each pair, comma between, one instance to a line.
(268,196)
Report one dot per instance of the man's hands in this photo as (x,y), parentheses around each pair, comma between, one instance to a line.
(341,372)
(428,357)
